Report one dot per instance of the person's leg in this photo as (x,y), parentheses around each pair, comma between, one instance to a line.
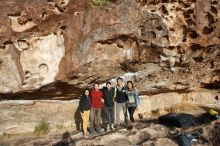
(99,119)
(124,107)
(107,114)
(112,113)
(86,120)
(112,118)
(131,113)
(92,119)
(96,119)
(118,106)
(83,115)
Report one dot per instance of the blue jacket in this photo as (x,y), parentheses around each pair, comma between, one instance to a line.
(135,94)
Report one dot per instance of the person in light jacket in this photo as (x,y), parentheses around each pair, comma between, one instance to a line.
(133,100)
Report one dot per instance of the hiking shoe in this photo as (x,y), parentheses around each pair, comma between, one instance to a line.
(98,130)
(132,124)
(107,128)
(111,127)
(86,135)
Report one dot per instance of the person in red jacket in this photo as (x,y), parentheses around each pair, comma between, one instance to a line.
(96,106)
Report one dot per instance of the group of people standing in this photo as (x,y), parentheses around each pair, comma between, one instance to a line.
(121,96)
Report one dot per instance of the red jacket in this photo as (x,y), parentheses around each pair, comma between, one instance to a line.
(96,97)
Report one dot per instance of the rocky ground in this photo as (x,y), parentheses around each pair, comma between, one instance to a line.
(144,133)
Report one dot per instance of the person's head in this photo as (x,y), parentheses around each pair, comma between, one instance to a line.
(108,85)
(86,92)
(119,81)
(130,85)
(96,86)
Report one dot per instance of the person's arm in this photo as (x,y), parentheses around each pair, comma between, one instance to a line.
(81,104)
(102,93)
(126,94)
(102,96)
(137,97)
(114,95)
(137,100)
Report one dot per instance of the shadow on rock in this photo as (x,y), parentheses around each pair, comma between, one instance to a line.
(65,141)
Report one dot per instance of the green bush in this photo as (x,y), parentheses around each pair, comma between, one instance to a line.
(42,128)
(99,3)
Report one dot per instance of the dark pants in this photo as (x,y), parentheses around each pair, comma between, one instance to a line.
(95,118)
(131,111)
(109,112)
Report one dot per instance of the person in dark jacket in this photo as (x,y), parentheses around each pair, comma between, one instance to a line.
(108,95)
(133,100)
(120,98)
(84,107)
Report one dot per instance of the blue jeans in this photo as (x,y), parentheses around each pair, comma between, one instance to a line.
(118,110)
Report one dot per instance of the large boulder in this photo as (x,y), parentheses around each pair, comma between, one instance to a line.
(161,45)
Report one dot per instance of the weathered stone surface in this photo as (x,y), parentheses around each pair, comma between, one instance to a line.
(169,45)
(20,116)
(160,141)
(23,116)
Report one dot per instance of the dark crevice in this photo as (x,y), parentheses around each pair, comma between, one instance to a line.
(63,27)
(214,10)
(8,42)
(188,13)
(15,14)
(193,34)
(116,38)
(59,8)
(154,2)
(212,65)
(198,59)
(159,28)
(195,47)
(164,10)
(165,1)
(129,66)
(214,85)
(152,35)
(190,22)
(184,40)
(183,4)
(207,30)
(210,18)
(163,90)
(215,2)
(53,91)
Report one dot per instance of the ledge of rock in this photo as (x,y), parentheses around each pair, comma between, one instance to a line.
(21,116)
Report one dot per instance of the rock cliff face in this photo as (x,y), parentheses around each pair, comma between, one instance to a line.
(55,48)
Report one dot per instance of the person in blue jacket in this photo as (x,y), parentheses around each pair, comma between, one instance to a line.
(133,100)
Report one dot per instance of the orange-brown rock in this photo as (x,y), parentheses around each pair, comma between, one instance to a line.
(55,48)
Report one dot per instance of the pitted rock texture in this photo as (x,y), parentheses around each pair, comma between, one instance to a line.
(167,45)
